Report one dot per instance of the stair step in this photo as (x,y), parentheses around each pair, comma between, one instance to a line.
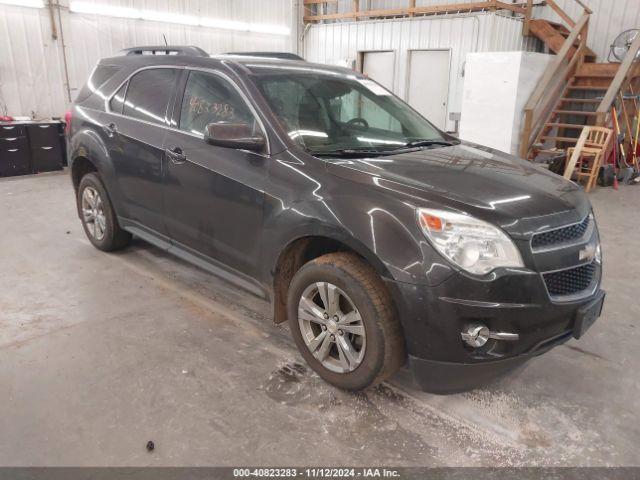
(565,125)
(549,35)
(561,139)
(596,76)
(580,100)
(598,70)
(588,88)
(575,112)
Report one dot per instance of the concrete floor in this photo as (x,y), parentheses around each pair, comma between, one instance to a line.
(100,353)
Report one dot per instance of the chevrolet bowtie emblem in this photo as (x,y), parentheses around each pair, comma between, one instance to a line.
(588,252)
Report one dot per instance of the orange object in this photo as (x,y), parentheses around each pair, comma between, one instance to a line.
(432,222)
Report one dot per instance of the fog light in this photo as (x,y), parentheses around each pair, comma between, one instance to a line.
(475,335)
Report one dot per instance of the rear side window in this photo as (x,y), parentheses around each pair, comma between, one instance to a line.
(148,94)
(98,77)
(118,99)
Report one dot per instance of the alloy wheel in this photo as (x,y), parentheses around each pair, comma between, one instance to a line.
(331,327)
(93,213)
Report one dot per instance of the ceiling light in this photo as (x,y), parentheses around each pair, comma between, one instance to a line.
(89,8)
(24,3)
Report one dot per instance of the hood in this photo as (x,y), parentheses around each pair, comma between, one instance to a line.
(517,195)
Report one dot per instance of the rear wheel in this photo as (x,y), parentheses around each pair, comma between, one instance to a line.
(98,217)
(343,321)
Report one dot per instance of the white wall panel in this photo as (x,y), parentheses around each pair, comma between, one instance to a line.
(32,79)
(339,43)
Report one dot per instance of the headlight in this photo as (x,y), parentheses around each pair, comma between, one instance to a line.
(475,246)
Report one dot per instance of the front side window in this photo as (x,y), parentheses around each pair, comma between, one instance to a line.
(211,99)
(328,113)
(148,94)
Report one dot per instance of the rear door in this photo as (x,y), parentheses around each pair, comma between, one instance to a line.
(135,126)
(214,196)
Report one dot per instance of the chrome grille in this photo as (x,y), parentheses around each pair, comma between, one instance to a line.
(562,235)
(570,281)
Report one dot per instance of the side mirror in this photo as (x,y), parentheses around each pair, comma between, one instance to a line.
(234,135)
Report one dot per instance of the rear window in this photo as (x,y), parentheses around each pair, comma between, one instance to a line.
(97,79)
(148,94)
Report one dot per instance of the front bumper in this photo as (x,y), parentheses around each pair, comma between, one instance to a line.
(433,318)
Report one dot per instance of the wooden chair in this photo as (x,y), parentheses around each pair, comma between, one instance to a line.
(585,158)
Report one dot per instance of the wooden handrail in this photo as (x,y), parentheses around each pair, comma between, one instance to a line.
(586,9)
(623,75)
(412,10)
(561,13)
(549,86)
(557,63)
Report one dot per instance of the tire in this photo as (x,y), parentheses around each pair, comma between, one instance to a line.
(349,279)
(105,234)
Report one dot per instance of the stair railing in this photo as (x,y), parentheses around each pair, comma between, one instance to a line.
(553,83)
(623,77)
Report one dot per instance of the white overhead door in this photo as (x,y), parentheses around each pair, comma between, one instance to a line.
(380,66)
(428,84)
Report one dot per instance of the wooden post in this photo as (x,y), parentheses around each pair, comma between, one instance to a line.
(356,9)
(527,18)
(412,5)
(571,162)
(526,134)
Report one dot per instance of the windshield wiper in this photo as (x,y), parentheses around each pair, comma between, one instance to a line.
(369,152)
(348,153)
(428,143)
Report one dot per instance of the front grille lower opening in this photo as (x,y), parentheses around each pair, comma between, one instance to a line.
(570,281)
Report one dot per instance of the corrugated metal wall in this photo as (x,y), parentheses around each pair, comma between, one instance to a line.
(610,17)
(32,78)
(339,43)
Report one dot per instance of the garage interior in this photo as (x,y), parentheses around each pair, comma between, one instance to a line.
(102,352)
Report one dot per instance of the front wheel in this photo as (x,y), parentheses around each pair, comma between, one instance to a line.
(343,321)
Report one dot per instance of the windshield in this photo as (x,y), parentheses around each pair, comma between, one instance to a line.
(326,115)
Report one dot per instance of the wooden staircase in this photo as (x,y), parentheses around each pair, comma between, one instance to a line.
(576,106)
(553,35)
(574,91)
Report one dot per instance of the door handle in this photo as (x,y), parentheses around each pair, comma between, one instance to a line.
(110,129)
(176,155)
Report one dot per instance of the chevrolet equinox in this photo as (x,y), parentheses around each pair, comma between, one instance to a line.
(380,239)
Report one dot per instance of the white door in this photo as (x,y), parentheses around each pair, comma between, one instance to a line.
(428,84)
(380,66)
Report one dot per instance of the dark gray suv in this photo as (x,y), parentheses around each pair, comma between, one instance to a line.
(379,238)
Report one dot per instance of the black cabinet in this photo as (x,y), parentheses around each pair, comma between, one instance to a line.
(31,147)
(15,152)
(46,150)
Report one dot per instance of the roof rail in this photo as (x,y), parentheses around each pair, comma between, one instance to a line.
(165,50)
(281,55)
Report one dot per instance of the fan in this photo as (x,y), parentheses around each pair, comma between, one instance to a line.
(622,43)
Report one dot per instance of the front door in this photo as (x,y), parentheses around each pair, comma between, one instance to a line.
(213,195)
(135,128)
